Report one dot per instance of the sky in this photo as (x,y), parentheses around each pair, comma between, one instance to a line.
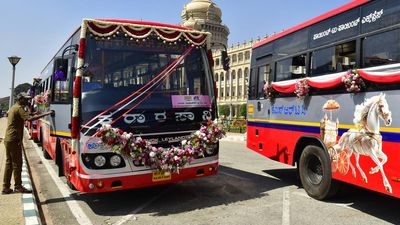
(35,29)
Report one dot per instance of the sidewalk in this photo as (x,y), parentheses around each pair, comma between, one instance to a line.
(16,208)
(235,137)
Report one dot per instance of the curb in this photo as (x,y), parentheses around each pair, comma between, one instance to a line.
(29,204)
(30,210)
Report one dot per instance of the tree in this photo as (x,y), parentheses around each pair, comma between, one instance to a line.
(242,110)
(223,110)
(22,88)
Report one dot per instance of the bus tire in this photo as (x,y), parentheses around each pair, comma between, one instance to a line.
(59,158)
(71,185)
(315,173)
(46,155)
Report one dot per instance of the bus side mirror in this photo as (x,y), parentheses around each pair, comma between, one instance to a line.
(61,69)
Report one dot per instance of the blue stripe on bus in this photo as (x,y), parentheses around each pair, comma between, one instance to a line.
(386,136)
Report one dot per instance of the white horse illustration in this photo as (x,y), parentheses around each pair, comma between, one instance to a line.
(367,141)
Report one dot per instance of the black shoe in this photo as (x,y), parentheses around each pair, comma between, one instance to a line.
(7,191)
(22,190)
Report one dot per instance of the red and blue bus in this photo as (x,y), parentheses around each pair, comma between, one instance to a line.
(137,81)
(322,96)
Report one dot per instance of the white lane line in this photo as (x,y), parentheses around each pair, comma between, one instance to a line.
(140,208)
(286,207)
(73,205)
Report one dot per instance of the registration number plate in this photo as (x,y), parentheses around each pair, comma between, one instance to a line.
(161,176)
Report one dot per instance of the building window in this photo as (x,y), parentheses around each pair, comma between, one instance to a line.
(222,77)
(240,57)
(240,91)
(227,76)
(234,58)
(246,74)
(240,74)
(216,77)
(247,55)
(217,62)
(233,75)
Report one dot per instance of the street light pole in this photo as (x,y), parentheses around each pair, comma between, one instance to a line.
(13,60)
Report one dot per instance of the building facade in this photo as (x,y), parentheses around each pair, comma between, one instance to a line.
(231,85)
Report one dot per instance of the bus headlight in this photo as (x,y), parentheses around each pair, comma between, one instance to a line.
(115,160)
(100,161)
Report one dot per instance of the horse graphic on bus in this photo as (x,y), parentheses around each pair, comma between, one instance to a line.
(366,140)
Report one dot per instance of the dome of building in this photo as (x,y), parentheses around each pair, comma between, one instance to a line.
(203,9)
(206,15)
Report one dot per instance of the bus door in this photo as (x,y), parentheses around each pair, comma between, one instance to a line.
(62,97)
(261,105)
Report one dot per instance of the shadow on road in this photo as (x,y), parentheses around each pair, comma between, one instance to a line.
(372,203)
(229,186)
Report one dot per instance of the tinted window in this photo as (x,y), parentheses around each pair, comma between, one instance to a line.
(292,43)
(380,14)
(375,53)
(321,61)
(291,68)
(337,28)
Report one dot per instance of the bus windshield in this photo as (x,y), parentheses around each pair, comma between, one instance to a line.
(118,67)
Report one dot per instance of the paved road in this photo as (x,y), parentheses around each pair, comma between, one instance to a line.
(249,189)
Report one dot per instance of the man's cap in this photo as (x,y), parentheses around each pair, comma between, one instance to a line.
(23,95)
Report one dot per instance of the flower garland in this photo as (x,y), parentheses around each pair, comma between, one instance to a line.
(42,100)
(301,88)
(353,81)
(165,160)
(269,91)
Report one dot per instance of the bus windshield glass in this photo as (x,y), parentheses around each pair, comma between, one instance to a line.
(119,67)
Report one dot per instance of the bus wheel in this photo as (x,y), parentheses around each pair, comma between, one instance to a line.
(71,186)
(60,158)
(316,174)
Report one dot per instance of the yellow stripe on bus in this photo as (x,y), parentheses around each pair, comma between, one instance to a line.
(314,124)
(66,134)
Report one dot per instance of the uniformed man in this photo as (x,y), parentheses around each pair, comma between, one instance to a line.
(17,116)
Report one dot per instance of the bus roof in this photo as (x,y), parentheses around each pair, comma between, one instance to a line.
(315,20)
(146,23)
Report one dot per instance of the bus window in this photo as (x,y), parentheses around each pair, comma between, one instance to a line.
(333,59)
(61,82)
(263,77)
(345,56)
(291,68)
(375,53)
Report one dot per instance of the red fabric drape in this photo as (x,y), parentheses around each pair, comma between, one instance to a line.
(386,78)
(325,83)
(284,88)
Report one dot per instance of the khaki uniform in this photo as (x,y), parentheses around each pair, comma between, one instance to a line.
(13,143)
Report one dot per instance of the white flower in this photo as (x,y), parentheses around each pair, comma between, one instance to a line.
(152,154)
(108,126)
(176,157)
(197,133)
(184,142)
(128,136)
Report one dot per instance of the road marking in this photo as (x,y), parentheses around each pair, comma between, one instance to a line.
(73,205)
(140,208)
(344,205)
(286,207)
